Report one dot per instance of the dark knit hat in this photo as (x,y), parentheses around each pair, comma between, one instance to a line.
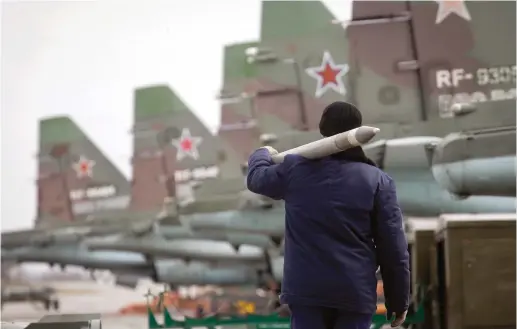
(339,117)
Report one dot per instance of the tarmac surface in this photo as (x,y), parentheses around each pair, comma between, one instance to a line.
(89,297)
(85,297)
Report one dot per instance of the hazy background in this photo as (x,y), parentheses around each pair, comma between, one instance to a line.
(83,59)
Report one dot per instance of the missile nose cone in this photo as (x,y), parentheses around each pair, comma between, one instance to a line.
(365,133)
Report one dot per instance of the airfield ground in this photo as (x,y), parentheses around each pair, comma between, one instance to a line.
(88,297)
(84,297)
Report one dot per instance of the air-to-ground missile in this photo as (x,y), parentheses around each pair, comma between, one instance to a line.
(332,144)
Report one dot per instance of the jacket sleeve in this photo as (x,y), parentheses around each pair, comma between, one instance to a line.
(264,176)
(392,247)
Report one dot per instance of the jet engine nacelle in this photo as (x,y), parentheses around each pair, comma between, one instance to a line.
(408,161)
(477,163)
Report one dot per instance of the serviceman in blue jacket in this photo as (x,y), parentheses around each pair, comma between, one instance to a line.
(342,221)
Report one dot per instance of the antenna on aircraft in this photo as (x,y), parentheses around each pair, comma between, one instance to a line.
(268,139)
(404,17)
(251,51)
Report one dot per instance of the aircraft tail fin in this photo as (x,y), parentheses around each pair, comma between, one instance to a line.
(295,36)
(174,143)
(169,139)
(288,19)
(238,120)
(432,58)
(75,179)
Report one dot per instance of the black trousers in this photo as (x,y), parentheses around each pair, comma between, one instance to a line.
(312,317)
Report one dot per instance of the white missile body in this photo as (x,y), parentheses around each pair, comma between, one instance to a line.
(330,145)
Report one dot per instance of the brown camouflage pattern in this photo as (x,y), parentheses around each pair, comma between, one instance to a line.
(394,50)
(62,144)
(402,102)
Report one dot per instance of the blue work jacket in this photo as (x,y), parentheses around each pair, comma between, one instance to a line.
(342,222)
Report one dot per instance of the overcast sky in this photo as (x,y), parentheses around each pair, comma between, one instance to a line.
(84,58)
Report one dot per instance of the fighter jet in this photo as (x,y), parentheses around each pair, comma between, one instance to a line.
(435,78)
(195,166)
(407,161)
(266,91)
(80,192)
(96,186)
(153,223)
(442,72)
(221,264)
(433,127)
(203,175)
(129,267)
(76,182)
(408,91)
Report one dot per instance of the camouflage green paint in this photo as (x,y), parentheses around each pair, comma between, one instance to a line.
(394,50)
(176,156)
(75,179)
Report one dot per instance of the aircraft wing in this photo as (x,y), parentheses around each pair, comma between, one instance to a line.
(201,250)
(76,232)
(268,222)
(80,256)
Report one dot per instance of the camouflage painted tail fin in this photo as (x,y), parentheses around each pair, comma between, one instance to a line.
(239,126)
(173,151)
(75,180)
(434,54)
(282,69)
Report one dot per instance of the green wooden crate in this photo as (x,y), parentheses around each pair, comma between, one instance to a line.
(273,321)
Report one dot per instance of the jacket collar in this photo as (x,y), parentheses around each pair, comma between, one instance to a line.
(355,154)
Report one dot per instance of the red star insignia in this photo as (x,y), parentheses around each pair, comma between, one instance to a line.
(187,145)
(328,75)
(83,167)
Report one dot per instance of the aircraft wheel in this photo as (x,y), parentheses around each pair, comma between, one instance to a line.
(56,305)
(46,305)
